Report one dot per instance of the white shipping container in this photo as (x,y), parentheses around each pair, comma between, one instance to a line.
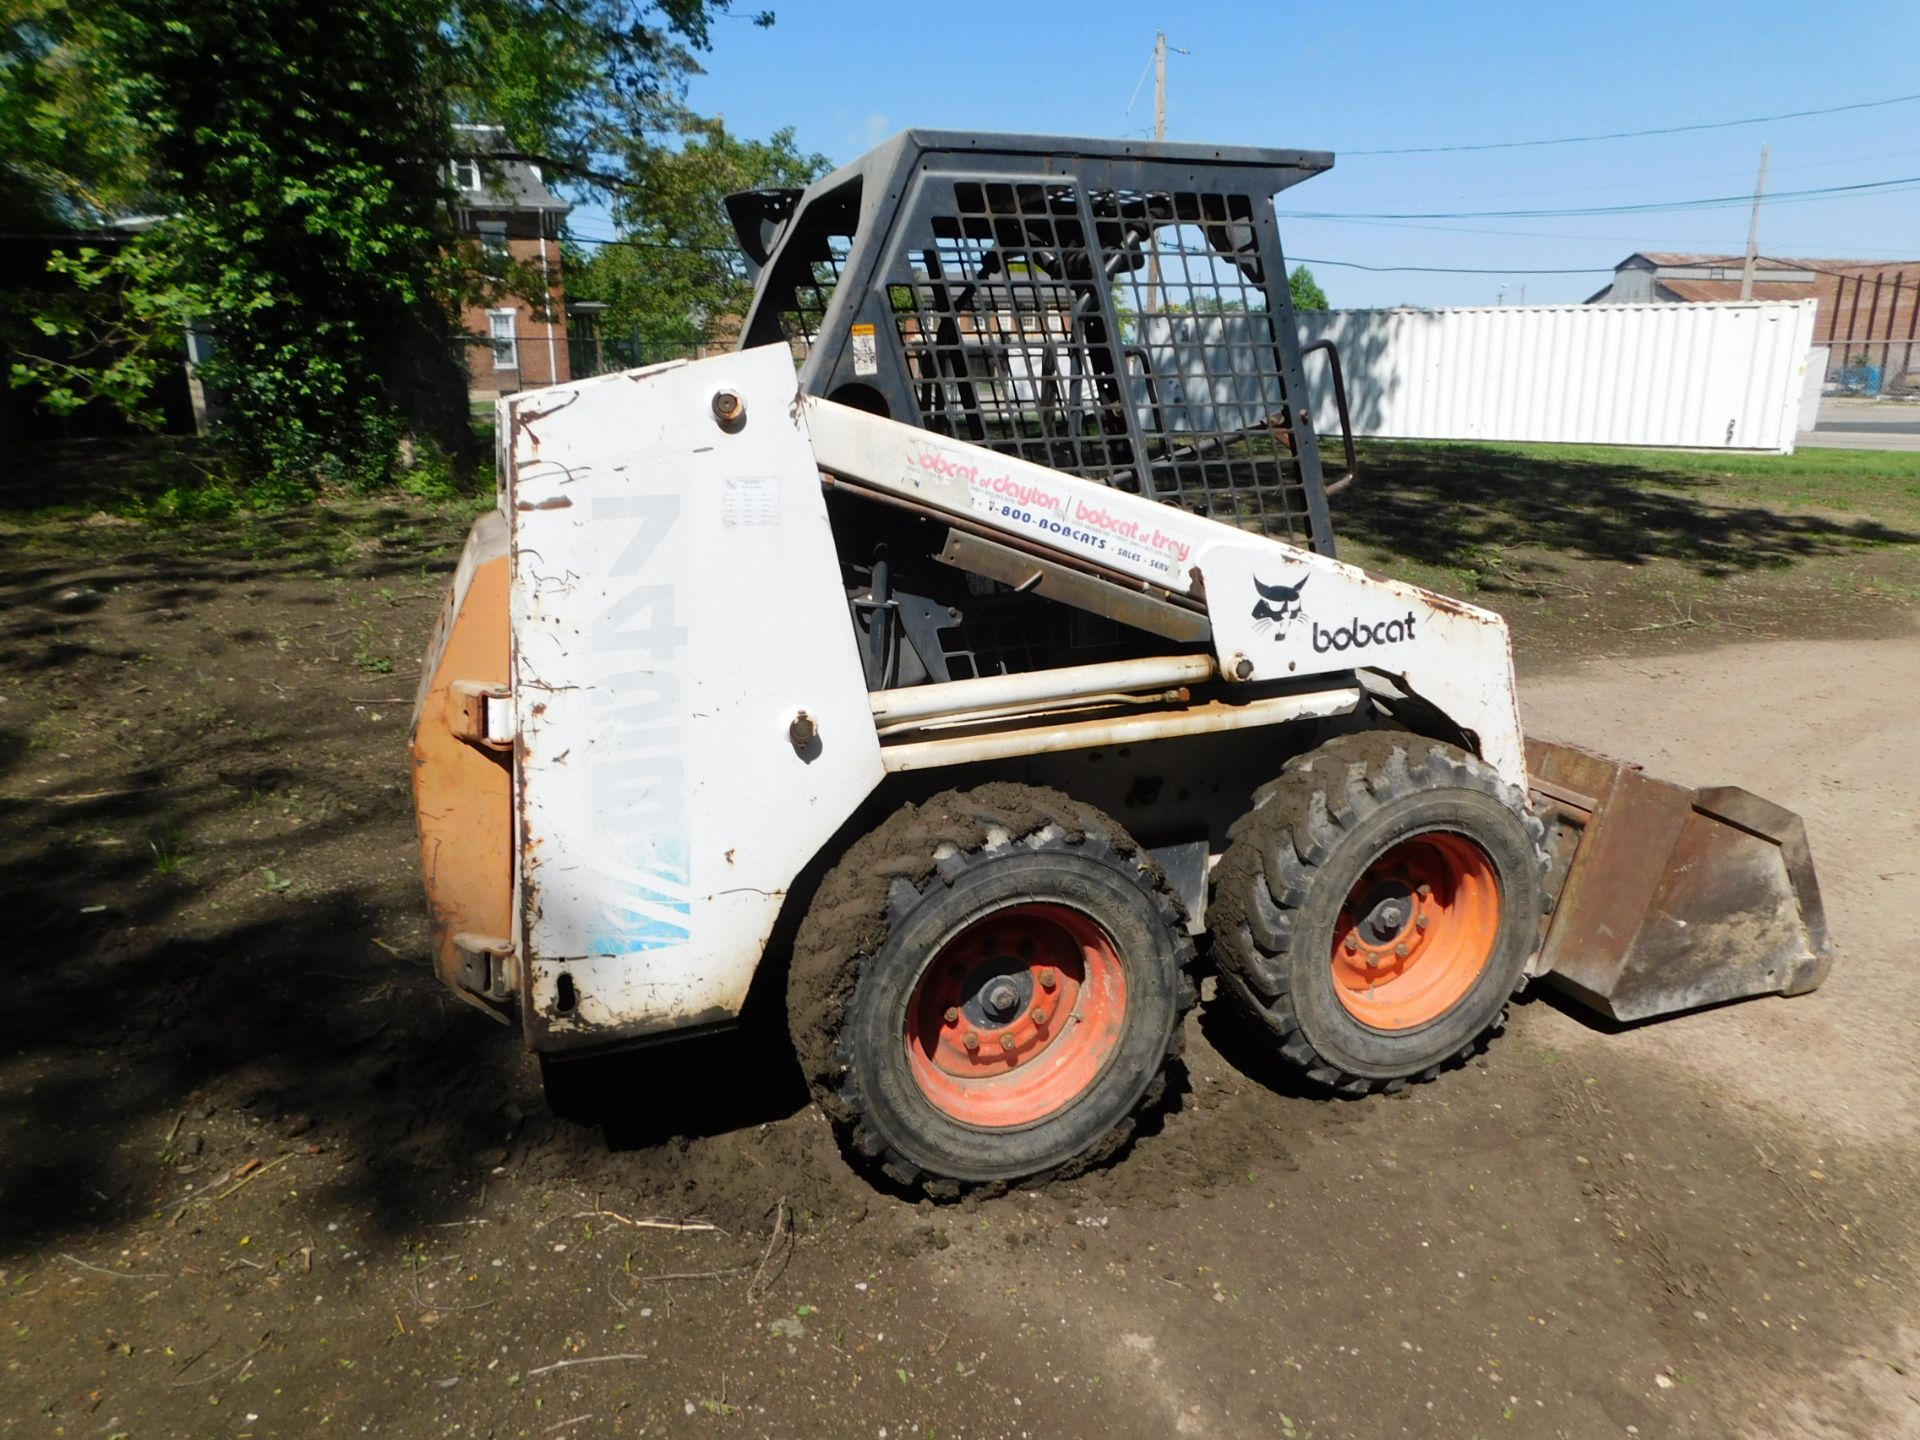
(1713,377)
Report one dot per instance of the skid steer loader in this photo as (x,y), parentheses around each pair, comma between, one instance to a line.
(971,642)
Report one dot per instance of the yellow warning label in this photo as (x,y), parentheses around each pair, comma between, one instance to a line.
(866,350)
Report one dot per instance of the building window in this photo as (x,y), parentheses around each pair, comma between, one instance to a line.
(493,239)
(506,346)
(466,175)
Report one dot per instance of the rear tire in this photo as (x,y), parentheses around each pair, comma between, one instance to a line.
(1378,907)
(988,988)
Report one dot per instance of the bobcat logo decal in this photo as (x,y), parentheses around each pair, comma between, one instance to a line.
(1278,606)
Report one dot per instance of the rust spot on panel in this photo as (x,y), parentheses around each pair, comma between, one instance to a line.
(1450,606)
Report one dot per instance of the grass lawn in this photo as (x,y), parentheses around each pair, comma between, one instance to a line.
(1576,544)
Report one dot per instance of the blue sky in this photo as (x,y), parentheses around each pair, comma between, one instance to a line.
(1352,77)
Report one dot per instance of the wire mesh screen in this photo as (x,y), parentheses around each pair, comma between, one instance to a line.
(815,279)
(1124,336)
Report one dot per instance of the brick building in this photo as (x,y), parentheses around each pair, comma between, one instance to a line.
(512,342)
(1868,310)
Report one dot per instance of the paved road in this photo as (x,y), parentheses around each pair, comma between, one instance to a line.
(1864,425)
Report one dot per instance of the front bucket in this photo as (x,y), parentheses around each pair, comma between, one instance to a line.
(1669,898)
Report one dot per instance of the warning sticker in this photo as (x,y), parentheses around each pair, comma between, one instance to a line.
(750,500)
(866,351)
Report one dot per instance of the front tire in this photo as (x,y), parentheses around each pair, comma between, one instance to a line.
(988,988)
(1378,907)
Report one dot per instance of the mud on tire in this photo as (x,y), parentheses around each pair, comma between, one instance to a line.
(940,895)
(1382,824)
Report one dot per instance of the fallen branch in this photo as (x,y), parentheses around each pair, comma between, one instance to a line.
(246,1172)
(1528,582)
(252,1175)
(647,1223)
(1679,622)
(583,1360)
(246,1359)
(727,1274)
(779,1227)
(116,1274)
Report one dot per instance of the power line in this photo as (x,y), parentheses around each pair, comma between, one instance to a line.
(1637,134)
(1443,269)
(731,250)
(1651,207)
(654,245)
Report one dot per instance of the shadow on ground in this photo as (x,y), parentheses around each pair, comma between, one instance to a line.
(1449,505)
(217,950)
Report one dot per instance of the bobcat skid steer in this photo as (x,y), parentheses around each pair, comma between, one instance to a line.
(973,668)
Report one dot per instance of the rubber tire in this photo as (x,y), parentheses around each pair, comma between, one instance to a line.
(1292,860)
(880,916)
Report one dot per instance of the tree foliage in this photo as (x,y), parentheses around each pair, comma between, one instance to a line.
(678,276)
(70,147)
(296,151)
(1307,294)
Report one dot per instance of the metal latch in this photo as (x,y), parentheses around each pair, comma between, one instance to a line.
(481,714)
(486,965)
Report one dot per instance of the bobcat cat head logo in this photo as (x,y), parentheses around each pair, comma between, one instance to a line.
(1278,605)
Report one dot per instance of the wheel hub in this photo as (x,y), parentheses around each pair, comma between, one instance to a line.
(1416,932)
(1002,997)
(1016,1015)
(1386,913)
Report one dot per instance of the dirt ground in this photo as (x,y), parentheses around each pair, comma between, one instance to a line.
(261,1178)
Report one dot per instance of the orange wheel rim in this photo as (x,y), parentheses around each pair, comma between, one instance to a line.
(1016,1016)
(1416,931)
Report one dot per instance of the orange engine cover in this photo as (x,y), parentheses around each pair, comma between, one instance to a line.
(462,786)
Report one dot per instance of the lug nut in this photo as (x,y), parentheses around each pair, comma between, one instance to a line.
(1048,979)
(1425,892)
(1006,1042)
(953,1016)
(1401,949)
(971,1041)
(1420,922)
(1353,944)
(1039,1016)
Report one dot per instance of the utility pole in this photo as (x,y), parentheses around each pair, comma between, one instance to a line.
(1159,134)
(1159,84)
(1753,230)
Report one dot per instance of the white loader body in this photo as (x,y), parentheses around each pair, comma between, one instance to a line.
(691,723)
